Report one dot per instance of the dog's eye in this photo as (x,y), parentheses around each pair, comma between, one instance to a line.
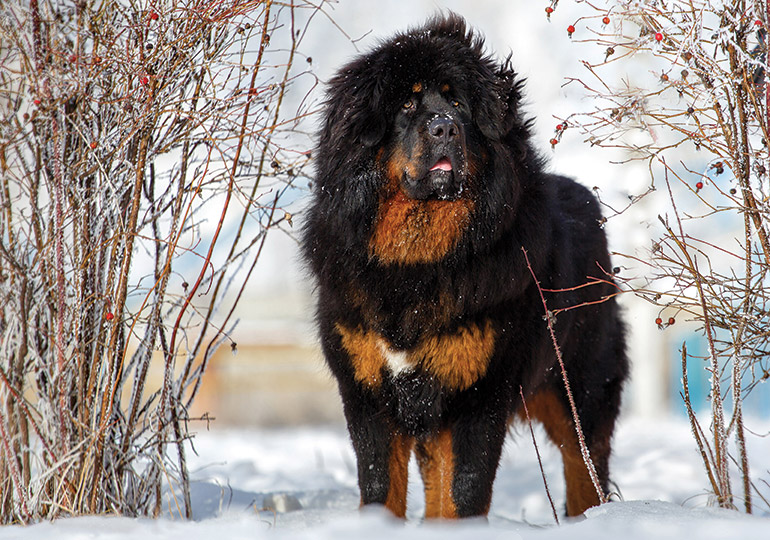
(408,105)
(455,103)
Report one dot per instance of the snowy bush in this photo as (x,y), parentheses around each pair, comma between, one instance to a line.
(681,86)
(143,160)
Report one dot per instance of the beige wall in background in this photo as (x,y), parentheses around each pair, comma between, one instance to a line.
(268,385)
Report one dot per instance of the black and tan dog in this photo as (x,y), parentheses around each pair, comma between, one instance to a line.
(427,190)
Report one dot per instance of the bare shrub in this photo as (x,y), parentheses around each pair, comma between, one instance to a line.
(144,154)
(681,86)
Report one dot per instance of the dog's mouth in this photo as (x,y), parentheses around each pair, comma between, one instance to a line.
(443,164)
(442,181)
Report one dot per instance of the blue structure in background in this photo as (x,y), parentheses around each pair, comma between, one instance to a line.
(756,404)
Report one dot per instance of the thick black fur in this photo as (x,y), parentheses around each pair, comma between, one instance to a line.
(516,205)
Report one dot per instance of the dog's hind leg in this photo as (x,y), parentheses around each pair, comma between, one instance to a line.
(552,410)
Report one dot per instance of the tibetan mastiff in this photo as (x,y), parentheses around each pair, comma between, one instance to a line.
(428,192)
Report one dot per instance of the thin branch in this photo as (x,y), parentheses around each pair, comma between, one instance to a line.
(584,451)
(537,452)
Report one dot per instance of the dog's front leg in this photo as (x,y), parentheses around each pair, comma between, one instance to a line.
(458,466)
(382,454)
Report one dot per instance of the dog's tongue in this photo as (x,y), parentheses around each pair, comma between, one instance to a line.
(442,164)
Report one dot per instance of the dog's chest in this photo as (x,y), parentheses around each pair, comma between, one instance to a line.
(396,362)
(455,359)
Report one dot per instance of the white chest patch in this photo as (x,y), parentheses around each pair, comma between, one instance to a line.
(397,361)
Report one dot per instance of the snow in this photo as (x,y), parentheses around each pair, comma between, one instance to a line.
(235,472)
(659,475)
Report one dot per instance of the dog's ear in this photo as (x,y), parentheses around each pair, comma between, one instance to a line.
(354,110)
(497,109)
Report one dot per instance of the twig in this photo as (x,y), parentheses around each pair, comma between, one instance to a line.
(694,426)
(537,452)
(721,471)
(10,459)
(573,408)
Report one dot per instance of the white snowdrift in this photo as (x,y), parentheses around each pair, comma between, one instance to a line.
(309,473)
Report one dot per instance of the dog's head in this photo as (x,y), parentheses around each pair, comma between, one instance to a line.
(426,102)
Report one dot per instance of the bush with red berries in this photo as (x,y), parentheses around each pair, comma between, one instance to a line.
(123,130)
(684,91)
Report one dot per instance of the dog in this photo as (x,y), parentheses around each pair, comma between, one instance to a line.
(431,233)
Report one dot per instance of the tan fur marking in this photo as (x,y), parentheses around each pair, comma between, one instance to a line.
(445,88)
(398,165)
(417,87)
(398,469)
(436,461)
(458,360)
(365,354)
(548,409)
(408,231)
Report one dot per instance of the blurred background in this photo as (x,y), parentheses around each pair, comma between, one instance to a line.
(278,377)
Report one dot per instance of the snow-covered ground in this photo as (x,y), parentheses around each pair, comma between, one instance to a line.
(309,473)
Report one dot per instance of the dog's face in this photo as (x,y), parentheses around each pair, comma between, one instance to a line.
(427,151)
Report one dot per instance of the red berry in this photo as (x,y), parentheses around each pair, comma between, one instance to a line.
(154,16)
(36,101)
(658,36)
(671,320)
(606,20)
(144,80)
(554,142)
(94,144)
(658,321)
(559,127)
(73,58)
(109,316)
(699,185)
(757,23)
(570,29)
(549,10)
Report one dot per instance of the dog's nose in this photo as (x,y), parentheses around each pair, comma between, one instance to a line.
(443,128)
